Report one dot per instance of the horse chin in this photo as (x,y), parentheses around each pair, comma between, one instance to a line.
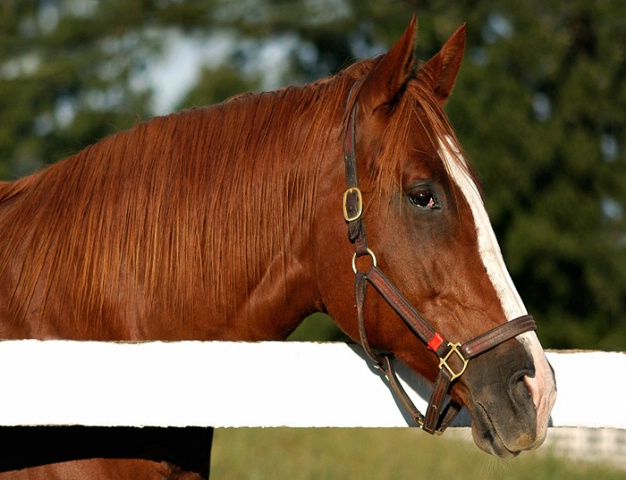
(492,439)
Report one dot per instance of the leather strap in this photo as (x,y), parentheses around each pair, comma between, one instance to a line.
(360,290)
(498,335)
(438,415)
(453,357)
(467,351)
(414,320)
(353,199)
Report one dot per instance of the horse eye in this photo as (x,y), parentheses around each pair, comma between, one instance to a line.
(423,199)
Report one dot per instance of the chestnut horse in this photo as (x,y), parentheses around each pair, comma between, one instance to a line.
(225,223)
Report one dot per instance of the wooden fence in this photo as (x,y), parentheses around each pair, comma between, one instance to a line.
(267,384)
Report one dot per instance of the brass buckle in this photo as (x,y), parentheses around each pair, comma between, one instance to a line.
(359,204)
(443,362)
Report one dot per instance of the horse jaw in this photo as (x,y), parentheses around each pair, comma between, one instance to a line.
(542,386)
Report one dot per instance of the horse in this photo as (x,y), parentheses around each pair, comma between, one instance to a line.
(238,220)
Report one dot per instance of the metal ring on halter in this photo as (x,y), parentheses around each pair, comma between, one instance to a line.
(354,257)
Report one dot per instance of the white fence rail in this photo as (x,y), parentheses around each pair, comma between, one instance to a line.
(224,384)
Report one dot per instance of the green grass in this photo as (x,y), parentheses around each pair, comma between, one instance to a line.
(387,454)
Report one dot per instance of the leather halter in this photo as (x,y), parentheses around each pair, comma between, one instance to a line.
(453,357)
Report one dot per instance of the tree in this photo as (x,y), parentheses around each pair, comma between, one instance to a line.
(64,78)
(540,107)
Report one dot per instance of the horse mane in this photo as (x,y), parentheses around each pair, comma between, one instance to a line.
(418,104)
(151,204)
(170,202)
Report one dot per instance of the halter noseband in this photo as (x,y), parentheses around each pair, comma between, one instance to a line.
(453,357)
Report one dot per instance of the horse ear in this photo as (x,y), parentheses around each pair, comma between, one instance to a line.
(441,70)
(386,81)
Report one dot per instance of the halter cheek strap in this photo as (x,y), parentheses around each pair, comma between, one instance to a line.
(453,357)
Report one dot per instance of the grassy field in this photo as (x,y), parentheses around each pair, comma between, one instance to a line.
(387,454)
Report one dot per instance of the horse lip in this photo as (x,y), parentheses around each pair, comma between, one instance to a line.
(489,439)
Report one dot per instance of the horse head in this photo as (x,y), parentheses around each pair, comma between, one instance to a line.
(420,215)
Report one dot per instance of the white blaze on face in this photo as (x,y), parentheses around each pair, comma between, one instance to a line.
(542,386)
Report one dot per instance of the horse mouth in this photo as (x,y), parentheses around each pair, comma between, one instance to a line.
(489,439)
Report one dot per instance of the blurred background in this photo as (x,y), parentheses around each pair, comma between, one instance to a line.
(540,107)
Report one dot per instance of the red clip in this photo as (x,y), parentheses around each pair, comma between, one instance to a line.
(435,342)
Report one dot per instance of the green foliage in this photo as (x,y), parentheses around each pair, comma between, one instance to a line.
(216,85)
(63,80)
(540,106)
(539,109)
(318,327)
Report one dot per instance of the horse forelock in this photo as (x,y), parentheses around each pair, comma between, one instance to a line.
(203,198)
(417,122)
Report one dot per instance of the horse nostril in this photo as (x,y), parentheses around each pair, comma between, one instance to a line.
(533,387)
(520,388)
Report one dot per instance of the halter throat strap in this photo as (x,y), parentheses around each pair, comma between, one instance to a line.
(453,357)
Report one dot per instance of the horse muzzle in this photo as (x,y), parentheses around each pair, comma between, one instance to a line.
(509,400)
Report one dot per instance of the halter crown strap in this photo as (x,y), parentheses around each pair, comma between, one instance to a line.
(453,357)
(352,197)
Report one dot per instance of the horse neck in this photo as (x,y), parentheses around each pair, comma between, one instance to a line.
(275,223)
(214,211)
